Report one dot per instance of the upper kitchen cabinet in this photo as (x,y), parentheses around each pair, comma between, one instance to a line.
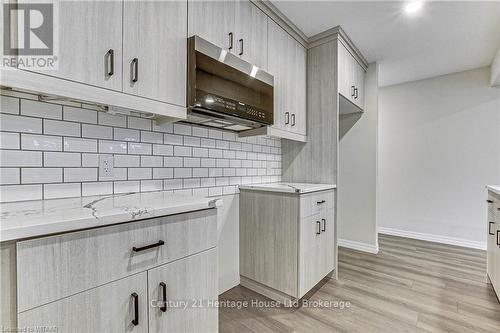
(237,26)
(213,21)
(90,43)
(287,63)
(154,50)
(351,78)
(251,34)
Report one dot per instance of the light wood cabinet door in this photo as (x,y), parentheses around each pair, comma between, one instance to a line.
(491,242)
(328,233)
(345,70)
(213,21)
(279,66)
(154,50)
(359,83)
(188,290)
(299,88)
(251,34)
(311,254)
(108,308)
(90,43)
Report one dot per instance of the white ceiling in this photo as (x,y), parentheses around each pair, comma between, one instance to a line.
(444,37)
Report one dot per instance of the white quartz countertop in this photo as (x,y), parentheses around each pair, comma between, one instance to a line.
(42,217)
(494,188)
(288,187)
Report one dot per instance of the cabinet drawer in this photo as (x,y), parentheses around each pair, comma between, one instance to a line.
(58,266)
(108,308)
(314,203)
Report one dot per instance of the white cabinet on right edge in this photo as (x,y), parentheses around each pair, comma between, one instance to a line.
(351,78)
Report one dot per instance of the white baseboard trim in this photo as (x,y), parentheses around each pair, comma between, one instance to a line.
(433,238)
(358,246)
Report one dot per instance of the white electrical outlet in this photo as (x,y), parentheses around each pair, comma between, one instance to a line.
(106,166)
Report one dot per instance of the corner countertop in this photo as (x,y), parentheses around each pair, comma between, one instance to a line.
(299,188)
(494,188)
(42,217)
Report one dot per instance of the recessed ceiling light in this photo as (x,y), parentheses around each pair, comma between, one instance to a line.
(413,7)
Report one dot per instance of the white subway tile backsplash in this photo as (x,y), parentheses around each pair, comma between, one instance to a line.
(41,175)
(9,140)
(15,123)
(90,160)
(9,176)
(124,134)
(183,151)
(139,148)
(172,184)
(56,159)
(104,118)
(201,192)
(151,185)
(139,173)
(147,156)
(200,131)
(80,145)
(182,129)
(97,132)
(151,137)
(53,191)
(9,104)
(9,193)
(173,162)
(80,174)
(165,150)
(112,147)
(127,187)
(57,127)
(163,173)
(164,127)
(151,161)
(127,161)
(139,123)
(172,139)
(79,115)
(183,173)
(100,188)
(19,158)
(191,162)
(41,142)
(41,109)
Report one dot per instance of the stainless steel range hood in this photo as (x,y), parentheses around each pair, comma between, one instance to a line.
(226,92)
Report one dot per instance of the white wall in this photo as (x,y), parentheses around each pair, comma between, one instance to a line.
(438,148)
(357,172)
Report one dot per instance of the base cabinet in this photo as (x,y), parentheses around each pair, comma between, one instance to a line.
(156,275)
(120,306)
(493,247)
(287,242)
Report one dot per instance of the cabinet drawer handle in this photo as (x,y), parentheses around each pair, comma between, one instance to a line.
(287,118)
(230,41)
(319,227)
(324,225)
(321,202)
(139,249)
(241,47)
(498,237)
(293,119)
(111,57)
(163,286)
(135,321)
(135,70)
(489,229)
(489,201)
(356,93)
(353,88)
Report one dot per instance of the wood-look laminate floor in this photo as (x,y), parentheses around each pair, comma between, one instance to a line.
(410,286)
